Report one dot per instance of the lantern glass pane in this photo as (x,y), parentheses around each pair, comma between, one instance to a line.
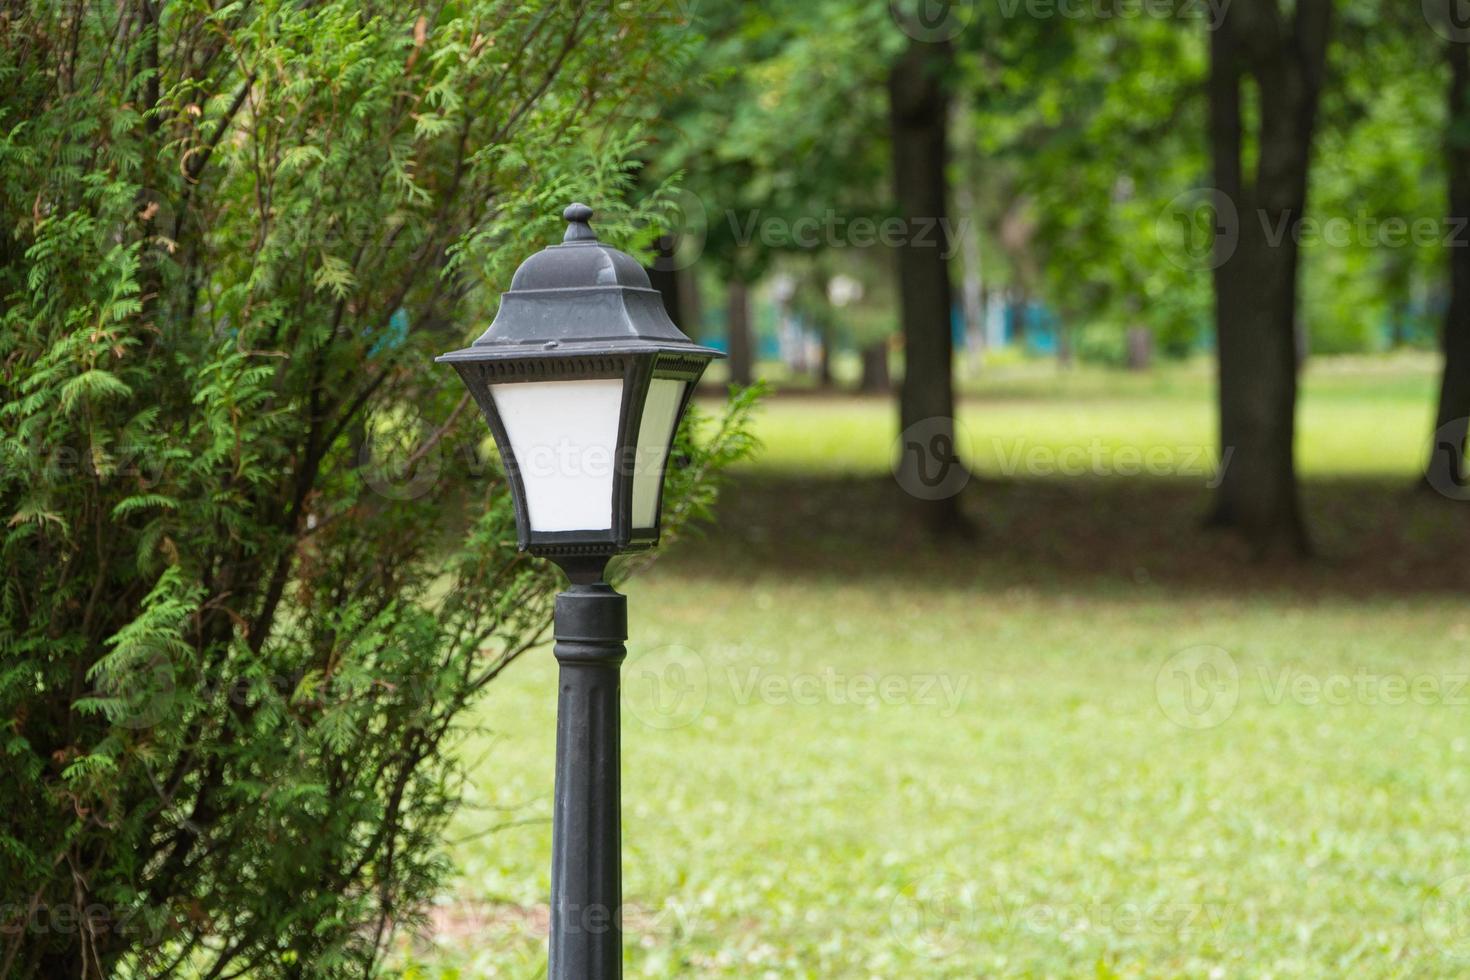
(655,432)
(564,435)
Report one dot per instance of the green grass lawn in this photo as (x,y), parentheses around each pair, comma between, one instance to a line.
(1357,416)
(1095,741)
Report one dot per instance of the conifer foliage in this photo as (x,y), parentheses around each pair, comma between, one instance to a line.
(256,560)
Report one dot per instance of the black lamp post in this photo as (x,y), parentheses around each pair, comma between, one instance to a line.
(583,378)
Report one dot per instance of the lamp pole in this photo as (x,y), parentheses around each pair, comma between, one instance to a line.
(591,623)
(583,363)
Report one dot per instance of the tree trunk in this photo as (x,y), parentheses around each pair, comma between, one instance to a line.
(1398,330)
(1256,286)
(792,338)
(665,278)
(875,379)
(742,353)
(1140,343)
(972,270)
(919,117)
(691,304)
(1020,305)
(1446,470)
(1398,284)
(824,361)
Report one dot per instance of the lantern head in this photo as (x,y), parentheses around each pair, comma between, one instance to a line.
(583,378)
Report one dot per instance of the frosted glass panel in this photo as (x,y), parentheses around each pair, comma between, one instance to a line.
(660,413)
(565,436)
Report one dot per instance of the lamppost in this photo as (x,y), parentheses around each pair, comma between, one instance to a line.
(583,378)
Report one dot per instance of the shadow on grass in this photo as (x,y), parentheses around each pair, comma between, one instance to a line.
(1373,537)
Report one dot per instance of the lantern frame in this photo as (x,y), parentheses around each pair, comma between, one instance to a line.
(583,311)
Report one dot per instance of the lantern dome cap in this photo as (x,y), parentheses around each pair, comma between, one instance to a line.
(579,261)
(578,297)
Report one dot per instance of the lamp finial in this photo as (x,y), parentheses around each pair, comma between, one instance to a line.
(578,228)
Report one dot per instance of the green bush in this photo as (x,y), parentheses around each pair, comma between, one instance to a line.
(1103,342)
(247,596)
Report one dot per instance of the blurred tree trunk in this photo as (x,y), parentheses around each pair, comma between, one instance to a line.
(1446,466)
(824,363)
(1284,56)
(1398,330)
(1020,303)
(972,299)
(1140,344)
(742,345)
(972,269)
(875,379)
(1398,284)
(793,338)
(691,305)
(918,102)
(666,279)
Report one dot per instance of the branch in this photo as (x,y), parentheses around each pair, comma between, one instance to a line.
(195,160)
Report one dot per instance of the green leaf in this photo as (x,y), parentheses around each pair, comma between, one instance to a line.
(95,384)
